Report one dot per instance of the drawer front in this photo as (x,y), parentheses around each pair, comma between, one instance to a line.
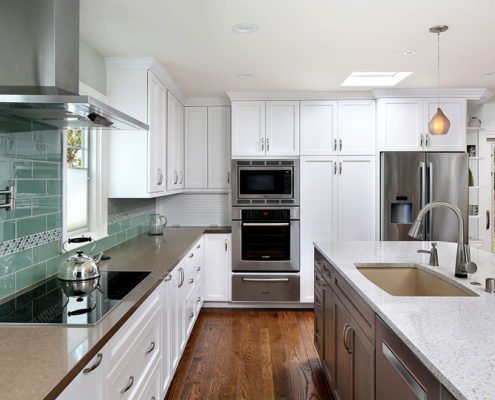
(151,387)
(198,299)
(191,314)
(127,375)
(265,288)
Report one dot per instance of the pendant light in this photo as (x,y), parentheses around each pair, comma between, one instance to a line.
(439,124)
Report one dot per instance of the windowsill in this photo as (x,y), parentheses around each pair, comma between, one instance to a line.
(95,236)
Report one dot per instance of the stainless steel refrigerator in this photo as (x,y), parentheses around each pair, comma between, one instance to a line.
(409,180)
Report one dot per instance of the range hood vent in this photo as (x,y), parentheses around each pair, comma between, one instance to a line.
(39,68)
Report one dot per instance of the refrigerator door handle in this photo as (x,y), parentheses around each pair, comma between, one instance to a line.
(422,181)
(429,232)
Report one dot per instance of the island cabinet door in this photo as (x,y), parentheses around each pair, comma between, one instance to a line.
(329,335)
(399,374)
(343,359)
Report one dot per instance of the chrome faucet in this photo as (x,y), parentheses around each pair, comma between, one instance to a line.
(463,263)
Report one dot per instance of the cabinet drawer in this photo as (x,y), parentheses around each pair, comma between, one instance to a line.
(324,268)
(267,288)
(318,305)
(136,363)
(151,387)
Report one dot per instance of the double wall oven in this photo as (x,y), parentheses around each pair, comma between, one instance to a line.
(265,230)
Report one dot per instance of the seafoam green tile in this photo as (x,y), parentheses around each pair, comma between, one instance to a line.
(46,251)
(53,153)
(11,125)
(7,147)
(105,244)
(120,237)
(54,187)
(46,205)
(10,169)
(31,188)
(30,275)
(114,228)
(15,262)
(7,230)
(31,225)
(46,170)
(46,134)
(53,264)
(53,221)
(7,285)
(22,209)
(31,150)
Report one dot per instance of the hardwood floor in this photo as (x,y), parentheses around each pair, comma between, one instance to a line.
(251,355)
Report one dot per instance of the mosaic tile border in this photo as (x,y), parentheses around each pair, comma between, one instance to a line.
(112,219)
(28,242)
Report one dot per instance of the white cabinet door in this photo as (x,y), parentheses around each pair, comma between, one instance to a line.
(218,273)
(248,128)
(169,325)
(219,147)
(400,124)
(157,119)
(455,110)
(196,146)
(282,128)
(318,127)
(175,144)
(175,317)
(90,382)
(356,134)
(318,213)
(356,198)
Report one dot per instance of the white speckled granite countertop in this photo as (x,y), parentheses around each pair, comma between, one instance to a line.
(453,336)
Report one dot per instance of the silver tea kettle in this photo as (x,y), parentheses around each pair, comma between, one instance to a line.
(80,266)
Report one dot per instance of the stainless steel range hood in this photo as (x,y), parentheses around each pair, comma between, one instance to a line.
(39,68)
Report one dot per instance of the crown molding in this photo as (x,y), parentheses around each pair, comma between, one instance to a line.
(350,95)
(207,101)
(472,94)
(148,63)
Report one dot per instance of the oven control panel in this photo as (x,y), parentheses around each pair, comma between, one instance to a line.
(265,215)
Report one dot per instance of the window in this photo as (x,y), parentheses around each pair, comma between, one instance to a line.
(78,188)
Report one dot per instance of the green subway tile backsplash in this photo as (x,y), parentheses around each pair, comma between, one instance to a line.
(31,225)
(31,188)
(45,170)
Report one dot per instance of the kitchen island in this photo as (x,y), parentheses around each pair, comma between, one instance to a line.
(39,361)
(451,336)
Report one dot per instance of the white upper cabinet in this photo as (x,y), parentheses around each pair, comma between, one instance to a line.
(139,93)
(282,128)
(455,110)
(175,142)
(356,122)
(318,127)
(338,127)
(248,128)
(219,147)
(196,142)
(403,124)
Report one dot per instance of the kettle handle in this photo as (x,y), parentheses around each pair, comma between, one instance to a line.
(80,239)
(163,218)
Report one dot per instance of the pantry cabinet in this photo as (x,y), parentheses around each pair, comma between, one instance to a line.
(218,269)
(345,127)
(207,150)
(402,124)
(140,94)
(337,203)
(265,129)
(175,145)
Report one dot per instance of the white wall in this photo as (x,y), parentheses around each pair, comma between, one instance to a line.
(486,113)
(92,70)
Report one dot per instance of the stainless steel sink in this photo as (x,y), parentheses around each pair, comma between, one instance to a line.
(410,280)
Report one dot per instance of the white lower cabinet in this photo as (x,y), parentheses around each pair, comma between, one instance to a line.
(218,269)
(337,203)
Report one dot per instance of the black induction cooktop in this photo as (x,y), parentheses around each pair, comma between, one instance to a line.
(49,303)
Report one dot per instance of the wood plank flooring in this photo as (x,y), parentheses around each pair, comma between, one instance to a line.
(250,355)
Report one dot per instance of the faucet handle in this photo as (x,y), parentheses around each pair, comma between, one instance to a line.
(434,255)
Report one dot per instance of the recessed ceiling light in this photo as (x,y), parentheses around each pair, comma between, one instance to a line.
(409,52)
(245,27)
(489,75)
(245,76)
(375,78)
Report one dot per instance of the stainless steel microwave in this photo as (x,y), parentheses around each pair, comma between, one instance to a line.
(265,182)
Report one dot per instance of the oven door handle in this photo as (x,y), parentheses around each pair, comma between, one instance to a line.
(265,279)
(265,223)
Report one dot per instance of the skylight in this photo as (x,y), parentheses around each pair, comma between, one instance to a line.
(375,78)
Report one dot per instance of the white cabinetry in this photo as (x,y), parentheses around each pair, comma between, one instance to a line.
(338,127)
(337,203)
(139,93)
(207,150)
(262,128)
(90,382)
(403,124)
(218,270)
(175,145)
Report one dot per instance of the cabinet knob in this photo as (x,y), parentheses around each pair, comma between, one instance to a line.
(198,269)
(198,299)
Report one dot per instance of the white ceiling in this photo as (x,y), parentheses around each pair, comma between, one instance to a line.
(302,45)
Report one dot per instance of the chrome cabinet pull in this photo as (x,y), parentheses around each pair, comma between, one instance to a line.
(191,316)
(226,245)
(348,347)
(344,335)
(198,269)
(487,219)
(427,139)
(340,168)
(176,177)
(191,280)
(262,144)
(160,176)
(334,144)
(191,255)
(181,280)
(340,144)
(151,348)
(181,174)
(96,364)
(265,279)
(404,372)
(129,385)
(228,177)
(168,278)
(267,144)
(335,168)
(421,139)
(198,299)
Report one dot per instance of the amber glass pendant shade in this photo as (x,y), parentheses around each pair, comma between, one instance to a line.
(439,124)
